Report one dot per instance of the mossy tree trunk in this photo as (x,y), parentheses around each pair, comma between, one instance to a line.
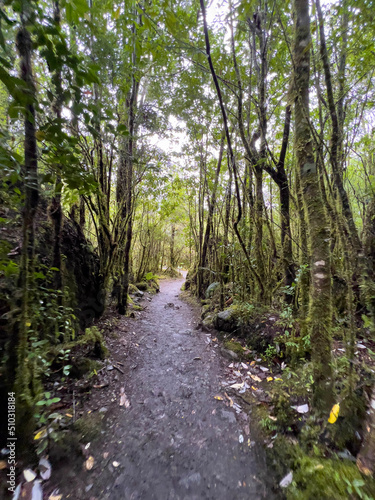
(319,320)
(21,367)
(55,207)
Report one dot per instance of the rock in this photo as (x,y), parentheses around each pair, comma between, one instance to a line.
(227,320)
(142,286)
(208,321)
(229,354)
(211,289)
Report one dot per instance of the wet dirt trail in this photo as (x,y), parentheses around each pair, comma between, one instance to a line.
(175,441)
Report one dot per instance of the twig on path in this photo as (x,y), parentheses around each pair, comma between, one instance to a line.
(119,369)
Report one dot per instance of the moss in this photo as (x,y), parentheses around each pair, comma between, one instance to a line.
(89,427)
(93,336)
(237,348)
(328,479)
(137,308)
(132,288)
(83,366)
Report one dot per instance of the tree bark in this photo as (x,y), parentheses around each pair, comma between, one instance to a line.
(320,296)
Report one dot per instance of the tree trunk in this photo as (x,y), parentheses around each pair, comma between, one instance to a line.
(320,296)
(21,366)
(211,209)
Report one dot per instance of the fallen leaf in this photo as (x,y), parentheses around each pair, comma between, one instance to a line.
(105,455)
(278,378)
(29,475)
(115,464)
(55,495)
(301,408)
(214,340)
(264,369)
(285,482)
(123,399)
(229,399)
(252,363)
(256,378)
(272,418)
(219,398)
(68,415)
(3,464)
(240,439)
(36,492)
(244,365)
(89,464)
(237,386)
(246,429)
(41,434)
(45,469)
(197,358)
(254,388)
(334,413)
(269,379)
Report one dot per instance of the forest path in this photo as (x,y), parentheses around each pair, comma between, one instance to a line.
(175,441)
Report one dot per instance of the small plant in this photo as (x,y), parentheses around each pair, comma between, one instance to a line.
(47,421)
(270,353)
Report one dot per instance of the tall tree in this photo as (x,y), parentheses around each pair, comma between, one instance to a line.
(320,311)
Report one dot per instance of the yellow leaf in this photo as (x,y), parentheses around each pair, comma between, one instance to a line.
(41,434)
(269,379)
(278,378)
(89,464)
(254,388)
(28,323)
(68,415)
(252,363)
(256,378)
(334,413)
(219,398)
(3,464)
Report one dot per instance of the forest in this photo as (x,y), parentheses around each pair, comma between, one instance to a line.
(230,139)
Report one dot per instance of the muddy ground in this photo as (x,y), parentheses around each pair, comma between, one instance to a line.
(182,437)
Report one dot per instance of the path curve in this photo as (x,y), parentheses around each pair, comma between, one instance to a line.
(176,441)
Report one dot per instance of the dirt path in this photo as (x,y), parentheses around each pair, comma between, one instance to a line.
(175,441)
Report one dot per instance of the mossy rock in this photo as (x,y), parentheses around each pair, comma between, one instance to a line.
(132,288)
(89,427)
(83,366)
(211,289)
(237,348)
(229,320)
(153,285)
(142,285)
(205,310)
(208,321)
(325,479)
